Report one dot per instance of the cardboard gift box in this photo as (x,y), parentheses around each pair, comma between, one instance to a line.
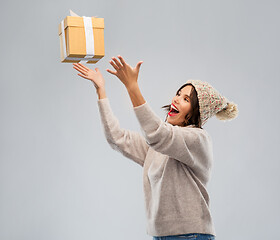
(81,39)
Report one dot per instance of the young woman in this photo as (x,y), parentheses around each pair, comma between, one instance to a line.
(176,154)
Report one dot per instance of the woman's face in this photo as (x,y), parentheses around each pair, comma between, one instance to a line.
(182,104)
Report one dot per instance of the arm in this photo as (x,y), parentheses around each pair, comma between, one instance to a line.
(189,145)
(129,143)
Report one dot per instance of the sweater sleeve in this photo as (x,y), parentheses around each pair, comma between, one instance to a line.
(189,145)
(129,143)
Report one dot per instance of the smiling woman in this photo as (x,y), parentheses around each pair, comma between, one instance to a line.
(170,155)
(186,102)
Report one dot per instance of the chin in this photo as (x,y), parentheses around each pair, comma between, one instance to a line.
(170,122)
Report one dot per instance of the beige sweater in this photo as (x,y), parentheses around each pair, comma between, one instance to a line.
(176,163)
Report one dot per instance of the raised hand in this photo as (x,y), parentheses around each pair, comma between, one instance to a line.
(124,71)
(94,76)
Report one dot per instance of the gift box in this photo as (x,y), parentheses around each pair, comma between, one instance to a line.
(81,39)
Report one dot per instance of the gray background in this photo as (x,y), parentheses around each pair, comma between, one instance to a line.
(59,177)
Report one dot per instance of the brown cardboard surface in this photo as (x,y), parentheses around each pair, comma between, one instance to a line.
(76,41)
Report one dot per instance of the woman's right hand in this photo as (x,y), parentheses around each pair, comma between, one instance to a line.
(94,76)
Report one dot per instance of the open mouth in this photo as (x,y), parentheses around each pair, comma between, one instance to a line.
(173,111)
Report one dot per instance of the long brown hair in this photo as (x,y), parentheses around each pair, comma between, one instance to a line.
(193,117)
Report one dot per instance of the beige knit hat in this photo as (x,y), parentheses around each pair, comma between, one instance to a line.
(211,102)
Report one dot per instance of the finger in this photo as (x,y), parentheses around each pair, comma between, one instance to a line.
(114,65)
(138,65)
(117,62)
(122,60)
(79,67)
(108,70)
(81,70)
(83,76)
(83,66)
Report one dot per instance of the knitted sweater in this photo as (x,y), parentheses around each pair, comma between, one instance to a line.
(176,163)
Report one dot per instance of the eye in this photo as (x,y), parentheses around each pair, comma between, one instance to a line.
(185,98)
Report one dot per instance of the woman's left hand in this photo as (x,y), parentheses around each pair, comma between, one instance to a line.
(125,72)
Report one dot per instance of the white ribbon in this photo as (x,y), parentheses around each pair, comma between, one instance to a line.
(63,39)
(89,37)
(89,42)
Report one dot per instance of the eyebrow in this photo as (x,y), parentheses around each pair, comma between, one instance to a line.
(186,95)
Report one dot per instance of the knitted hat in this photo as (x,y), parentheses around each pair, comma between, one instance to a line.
(211,102)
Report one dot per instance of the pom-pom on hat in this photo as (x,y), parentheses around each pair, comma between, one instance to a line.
(211,102)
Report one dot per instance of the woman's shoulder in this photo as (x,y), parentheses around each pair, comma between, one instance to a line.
(197,131)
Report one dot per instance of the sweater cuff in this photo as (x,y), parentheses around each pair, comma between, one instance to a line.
(102,100)
(148,120)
